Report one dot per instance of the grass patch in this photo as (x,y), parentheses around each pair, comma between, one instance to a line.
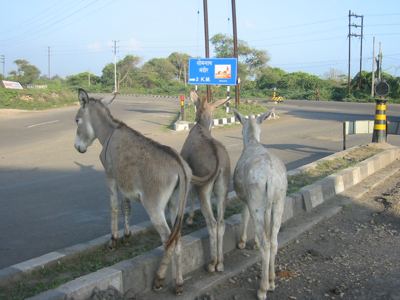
(66,270)
(327,167)
(31,99)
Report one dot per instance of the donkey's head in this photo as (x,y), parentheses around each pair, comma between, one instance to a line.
(205,110)
(251,126)
(85,133)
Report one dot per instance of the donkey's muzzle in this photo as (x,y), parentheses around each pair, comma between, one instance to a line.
(80,149)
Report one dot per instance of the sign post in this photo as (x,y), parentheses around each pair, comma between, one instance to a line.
(212,71)
(182,102)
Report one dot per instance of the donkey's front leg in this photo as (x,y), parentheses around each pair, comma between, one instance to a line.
(127,213)
(112,185)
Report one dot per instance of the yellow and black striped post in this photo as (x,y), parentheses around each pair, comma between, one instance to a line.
(379,135)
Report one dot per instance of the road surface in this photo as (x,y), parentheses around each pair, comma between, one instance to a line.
(52,197)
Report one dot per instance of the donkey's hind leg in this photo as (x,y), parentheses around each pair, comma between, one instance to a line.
(160,224)
(276,220)
(245,223)
(205,204)
(177,258)
(221,191)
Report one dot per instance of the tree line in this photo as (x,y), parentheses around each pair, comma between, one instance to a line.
(258,79)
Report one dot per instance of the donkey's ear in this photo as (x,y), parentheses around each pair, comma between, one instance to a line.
(83,97)
(194,96)
(108,100)
(239,116)
(265,116)
(220,102)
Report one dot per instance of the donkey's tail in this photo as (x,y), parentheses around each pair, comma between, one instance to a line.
(204,179)
(196,180)
(183,194)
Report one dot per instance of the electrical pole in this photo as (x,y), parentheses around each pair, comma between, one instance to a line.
(115,67)
(361,43)
(207,41)
(373,68)
(48,62)
(350,35)
(3,61)
(348,71)
(380,63)
(235,52)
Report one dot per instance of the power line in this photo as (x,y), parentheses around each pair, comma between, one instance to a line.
(46,26)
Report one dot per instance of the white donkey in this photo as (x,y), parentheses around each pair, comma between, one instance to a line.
(260,181)
(208,157)
(142,170)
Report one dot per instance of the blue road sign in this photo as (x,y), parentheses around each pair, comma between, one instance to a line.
(213,71)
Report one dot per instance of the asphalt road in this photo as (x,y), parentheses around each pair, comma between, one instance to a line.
(52,197)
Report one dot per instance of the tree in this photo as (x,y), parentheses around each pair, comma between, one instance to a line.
(180,62)
(269,77)
(25,73)
(251,60)
(157,72)
(82,80)
(126,69)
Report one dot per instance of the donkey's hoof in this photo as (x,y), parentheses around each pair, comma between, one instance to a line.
(271,286)
(189,221)
(158,284)
(126,238)
(112,244)
(261,294)
(241,245)
(179,289)
(220,267)
(211,268)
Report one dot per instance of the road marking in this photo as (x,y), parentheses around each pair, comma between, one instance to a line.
(44,123)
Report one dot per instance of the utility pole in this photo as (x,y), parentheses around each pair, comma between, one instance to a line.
(207,41)
(361,42)
(88,78)
(235,52)
(373,68)
(3,61)
(115,67)
(48,62)
(348,71)
(379,63)
(350,35)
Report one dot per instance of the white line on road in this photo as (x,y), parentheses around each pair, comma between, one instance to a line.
(44,123)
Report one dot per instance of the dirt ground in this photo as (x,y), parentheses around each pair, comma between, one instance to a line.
(353,255)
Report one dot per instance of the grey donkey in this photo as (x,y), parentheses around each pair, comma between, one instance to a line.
(260,181)
(142,170)
(207,156)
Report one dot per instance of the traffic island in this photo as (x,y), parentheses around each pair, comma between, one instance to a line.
(136,274)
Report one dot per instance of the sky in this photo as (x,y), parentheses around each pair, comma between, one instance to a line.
(307,35)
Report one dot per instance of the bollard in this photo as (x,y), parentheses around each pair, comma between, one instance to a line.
(379,135)
(182,102)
